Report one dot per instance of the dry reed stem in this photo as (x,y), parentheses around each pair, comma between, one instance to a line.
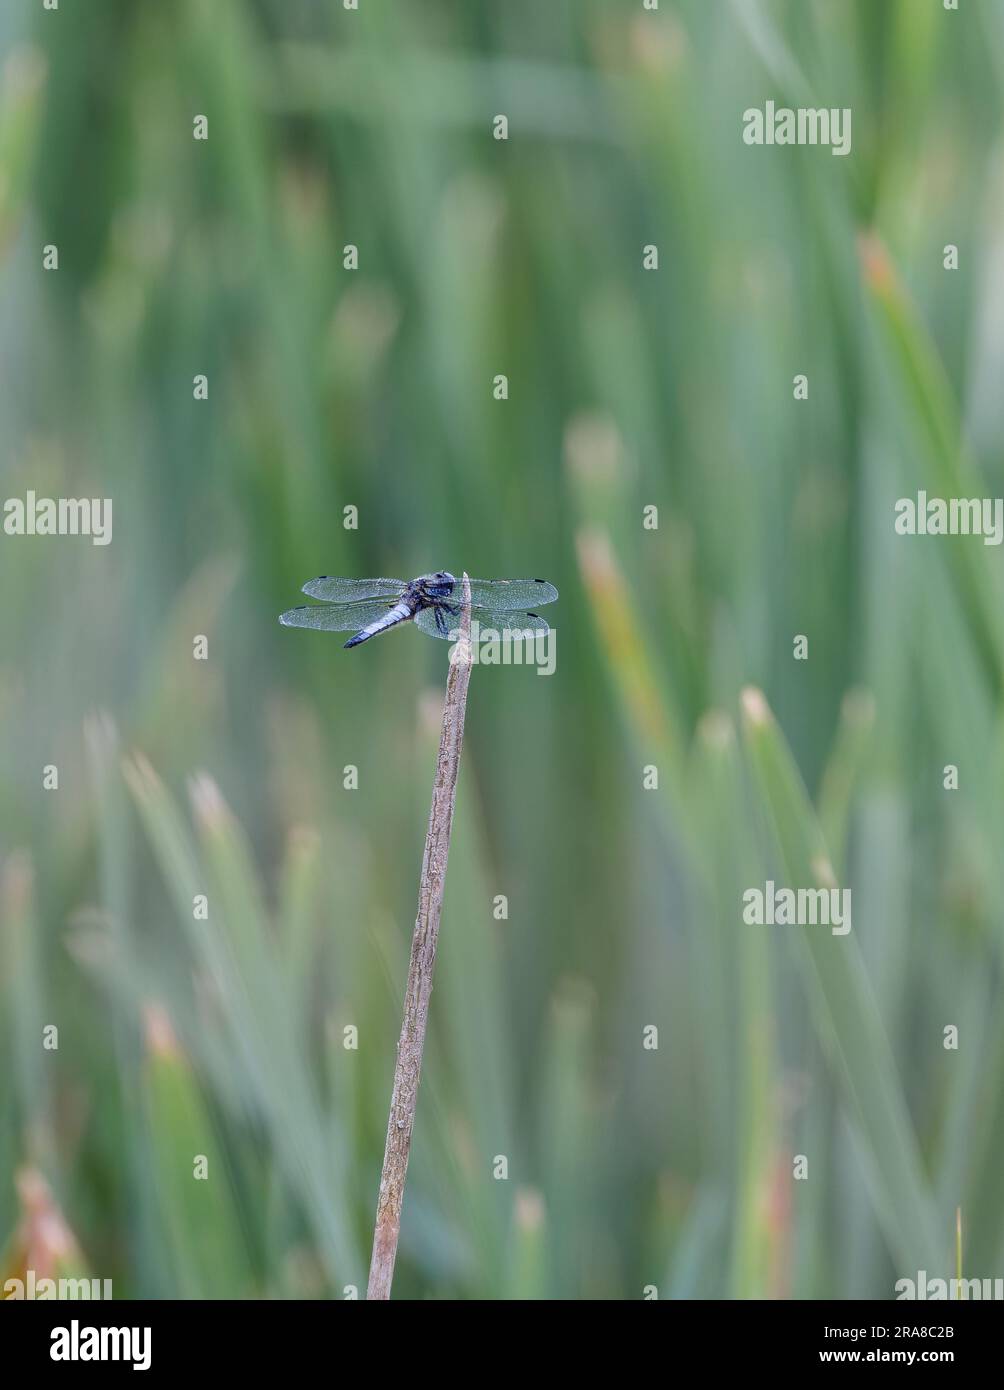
(410,1047)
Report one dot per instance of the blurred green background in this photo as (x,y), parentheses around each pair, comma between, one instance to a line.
(629,1167)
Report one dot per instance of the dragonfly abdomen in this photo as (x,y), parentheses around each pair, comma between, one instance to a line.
(394,615)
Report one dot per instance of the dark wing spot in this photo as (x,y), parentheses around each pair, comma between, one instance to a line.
(533,615)
(539,581)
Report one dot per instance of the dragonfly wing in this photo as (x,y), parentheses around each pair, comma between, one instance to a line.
(502,594)
(426,619)
(335,617)
(508,620)
(352,590)
(496,621)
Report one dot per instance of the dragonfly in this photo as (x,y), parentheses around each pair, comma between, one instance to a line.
(433,602)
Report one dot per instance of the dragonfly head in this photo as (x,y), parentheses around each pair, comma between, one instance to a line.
(439,585)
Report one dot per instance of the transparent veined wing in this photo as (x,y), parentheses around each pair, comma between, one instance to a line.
(494,620)
(437,622)
(335,617)
(508,620)
(352,590)
(500,594)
